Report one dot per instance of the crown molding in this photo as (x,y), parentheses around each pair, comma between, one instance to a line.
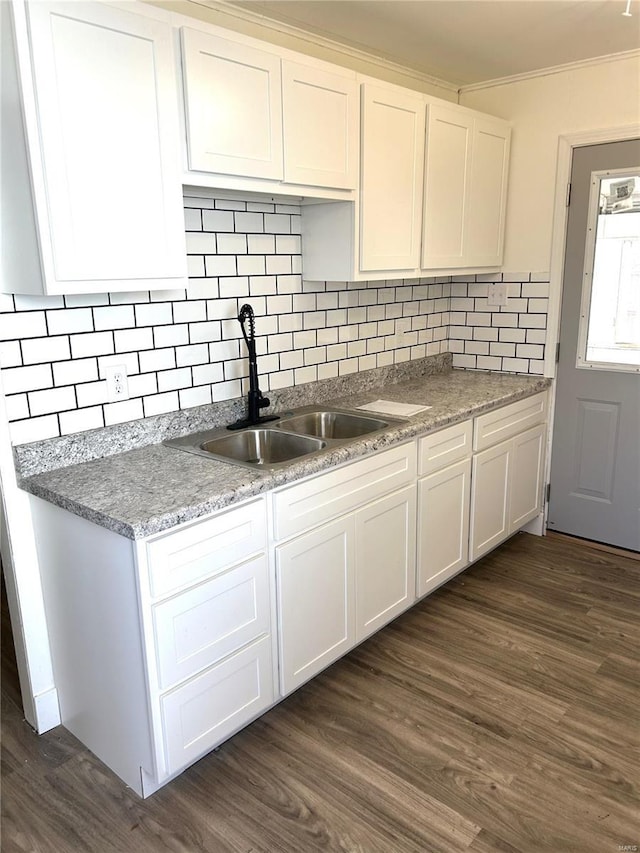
(232,11)
(546,72)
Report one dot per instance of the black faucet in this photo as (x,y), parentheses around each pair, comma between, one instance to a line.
(255,398)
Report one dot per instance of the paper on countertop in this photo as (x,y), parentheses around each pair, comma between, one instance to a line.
(390,407)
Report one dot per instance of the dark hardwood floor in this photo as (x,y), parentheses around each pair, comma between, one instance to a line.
(500,714)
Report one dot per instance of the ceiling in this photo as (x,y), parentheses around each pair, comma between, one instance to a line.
(466,41)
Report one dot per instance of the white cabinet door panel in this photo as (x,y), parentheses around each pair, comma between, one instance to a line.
(320,122)
(526,476)
(234,107)
(447,172)
(391,179)
(490,499)
(386,562)
(487,193)
(316,600)
(107,112)
(443,525)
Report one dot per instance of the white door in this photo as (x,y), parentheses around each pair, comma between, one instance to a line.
(447,175)
(234,107)
(386,562)
(315,576)
(391,179)
(595,465)
(320,113)
(443,524)
(107,116)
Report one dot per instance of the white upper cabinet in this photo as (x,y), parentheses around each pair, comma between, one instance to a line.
(447,176)
(391,178)
(233,107)
(100,122)
(466,166)
(320,126)
(488,192)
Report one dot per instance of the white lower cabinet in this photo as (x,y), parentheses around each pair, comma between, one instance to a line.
(443,512)
(315,575)
(165,647)
(507,489)
(385,560)
(341,581)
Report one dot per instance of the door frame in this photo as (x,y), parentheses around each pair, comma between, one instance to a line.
(566,144)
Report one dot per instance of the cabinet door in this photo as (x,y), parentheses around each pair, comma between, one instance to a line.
(233,106)
(391,180)
(490,499)
(320,122)
(487,193)
(443,525)
(526,476)
(386,562)
(316,600)
(447,174)
(107,118)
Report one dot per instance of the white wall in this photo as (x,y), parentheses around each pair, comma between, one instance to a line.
(542,109)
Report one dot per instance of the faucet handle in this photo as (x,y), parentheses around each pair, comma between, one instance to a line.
(263,401)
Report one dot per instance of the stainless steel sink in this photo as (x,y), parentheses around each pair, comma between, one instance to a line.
(299,433)
(260,447)
(332,424)
(253,448)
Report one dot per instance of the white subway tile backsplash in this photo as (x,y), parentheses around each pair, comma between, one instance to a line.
(81,420)
(184,348)
(157,359)
(124,410)
(171,336)
(15,326)
(154,314)
(10,354)
(171,380)
(130,340)
(69,320)
(52,400)
(40,350)
(34,429)
(16,380)
(113,317)
(158,404)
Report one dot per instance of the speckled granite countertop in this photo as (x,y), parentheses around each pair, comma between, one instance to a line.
(153,488)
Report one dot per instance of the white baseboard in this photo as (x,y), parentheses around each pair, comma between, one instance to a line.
(47,710)
(535,526)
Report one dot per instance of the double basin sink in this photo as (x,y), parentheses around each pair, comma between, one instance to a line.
(296,434)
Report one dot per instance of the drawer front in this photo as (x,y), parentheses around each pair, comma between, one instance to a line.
(205,548)
(201,626)
(309,504)
(445,447)
(210,708)
(508,421)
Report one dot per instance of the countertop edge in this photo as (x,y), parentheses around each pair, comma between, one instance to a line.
(259,483)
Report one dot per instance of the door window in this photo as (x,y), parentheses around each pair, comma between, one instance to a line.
(609,335)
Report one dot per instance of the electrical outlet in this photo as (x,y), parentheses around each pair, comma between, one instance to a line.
(497,296)
(117,385)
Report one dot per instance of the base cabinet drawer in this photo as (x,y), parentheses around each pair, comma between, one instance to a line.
(197,628)
(442,448)
(207,710)
(509,421)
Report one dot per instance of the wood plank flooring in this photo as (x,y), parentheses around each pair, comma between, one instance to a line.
(500,714)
